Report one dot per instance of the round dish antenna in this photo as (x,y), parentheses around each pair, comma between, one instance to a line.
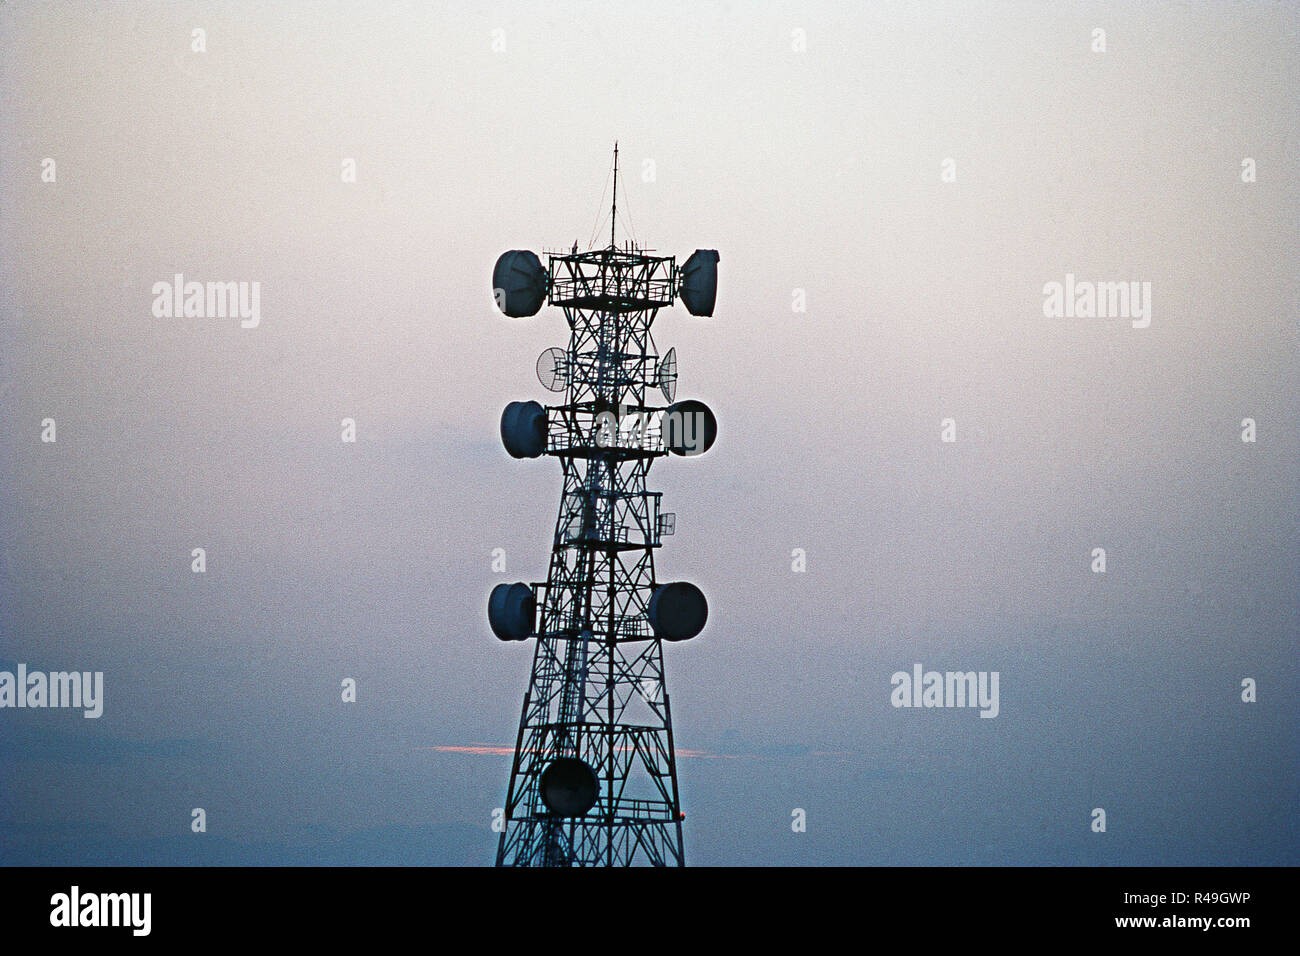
(569,787)
(689,428)
(553,370)
(519,283)
(699,278)
(667,374)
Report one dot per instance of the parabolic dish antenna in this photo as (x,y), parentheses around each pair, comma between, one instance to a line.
(519,283)
(699,277)
(569,787)
(553,370)
(667,374)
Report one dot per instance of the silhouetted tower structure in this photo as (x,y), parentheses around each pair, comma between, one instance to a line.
(594,776)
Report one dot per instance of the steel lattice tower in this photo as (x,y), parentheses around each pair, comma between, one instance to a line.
(594,776)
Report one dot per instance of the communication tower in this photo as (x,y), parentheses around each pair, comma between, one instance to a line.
(594,777)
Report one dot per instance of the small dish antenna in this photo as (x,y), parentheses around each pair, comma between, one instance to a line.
(553,370)
(667,374)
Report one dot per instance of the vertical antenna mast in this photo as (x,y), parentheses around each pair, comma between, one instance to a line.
(613,214)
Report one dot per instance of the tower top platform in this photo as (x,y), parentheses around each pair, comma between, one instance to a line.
(612,280)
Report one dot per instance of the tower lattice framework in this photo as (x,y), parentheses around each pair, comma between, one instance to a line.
(593,780)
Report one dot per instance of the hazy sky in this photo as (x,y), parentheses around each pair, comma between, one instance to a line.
(807,143)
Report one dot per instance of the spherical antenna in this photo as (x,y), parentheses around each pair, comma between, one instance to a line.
(667,374)
(553,370)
